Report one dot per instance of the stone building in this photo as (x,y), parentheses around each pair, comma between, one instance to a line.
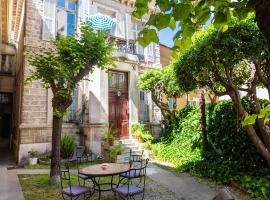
(26,111)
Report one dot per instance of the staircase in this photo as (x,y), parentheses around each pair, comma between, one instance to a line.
(130,144)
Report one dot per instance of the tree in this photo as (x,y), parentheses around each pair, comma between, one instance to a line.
(225,62)
(61,68)
(203,117)
(161,84)
(191,15)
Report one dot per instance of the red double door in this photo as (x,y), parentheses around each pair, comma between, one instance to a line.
(118,103)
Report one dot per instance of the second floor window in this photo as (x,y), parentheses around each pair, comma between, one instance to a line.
(59,17)
(66,14)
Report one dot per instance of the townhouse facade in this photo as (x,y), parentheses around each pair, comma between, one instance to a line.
(108,99)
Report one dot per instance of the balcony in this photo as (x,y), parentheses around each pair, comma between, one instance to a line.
(128,47)
(6,64)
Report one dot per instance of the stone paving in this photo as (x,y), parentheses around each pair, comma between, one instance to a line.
(10,188)
(164,184)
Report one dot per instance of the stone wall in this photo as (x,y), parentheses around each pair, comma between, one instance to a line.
(93,136)
(39,138)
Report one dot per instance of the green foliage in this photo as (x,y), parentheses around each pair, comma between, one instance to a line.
(162,81)
(190,17)
(67,146)
(231,155)
(117,149)
(213,53)
(32,153)
(110,134)
(141,133)
(251,119)
(68,61)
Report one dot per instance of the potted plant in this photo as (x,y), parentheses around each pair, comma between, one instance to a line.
(33,157)
(116,151)
(109,135)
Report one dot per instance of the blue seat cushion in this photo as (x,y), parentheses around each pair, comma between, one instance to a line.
(126,190)
(84,177)
(131,174)
(76,190)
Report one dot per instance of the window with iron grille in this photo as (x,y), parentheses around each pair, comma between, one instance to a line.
(73,108)
(144,107)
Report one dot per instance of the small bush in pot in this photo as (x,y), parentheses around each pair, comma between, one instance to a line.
(67,146)
(109,135)
(116,150)
(33,157)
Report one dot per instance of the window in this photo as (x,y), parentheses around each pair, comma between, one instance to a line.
(5,98)
(117,80)
(66,14)
(151,52)
(48,25)
(73,108)
(136,28)
(192,103)
(171,103)
(144,107)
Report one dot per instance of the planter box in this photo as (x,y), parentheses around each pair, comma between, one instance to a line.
(33,161)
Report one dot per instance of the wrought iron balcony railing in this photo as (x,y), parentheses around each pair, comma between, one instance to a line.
(129,47)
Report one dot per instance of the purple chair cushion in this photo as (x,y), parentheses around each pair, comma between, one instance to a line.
(131,190)
(84,177)
(76,190)
(131,174)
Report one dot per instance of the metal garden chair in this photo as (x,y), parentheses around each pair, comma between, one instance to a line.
(129,189)
(137,161)
(69,191)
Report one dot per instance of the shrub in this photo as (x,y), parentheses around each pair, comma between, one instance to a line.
(141,133)
(231,155)
(67,146)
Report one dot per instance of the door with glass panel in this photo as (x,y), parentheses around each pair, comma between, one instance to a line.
(118,103)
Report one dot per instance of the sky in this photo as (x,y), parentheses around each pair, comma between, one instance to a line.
(166,37)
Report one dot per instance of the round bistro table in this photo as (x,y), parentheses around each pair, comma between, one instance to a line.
(96,171)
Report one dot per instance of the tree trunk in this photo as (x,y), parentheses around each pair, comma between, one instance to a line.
(256,107)
(203,118)
(235,96)
(56,138)
(262,10)
(268,89)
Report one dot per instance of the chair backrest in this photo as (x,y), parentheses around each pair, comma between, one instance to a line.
(224,194)
(65,176)
(136,158)
(78,152)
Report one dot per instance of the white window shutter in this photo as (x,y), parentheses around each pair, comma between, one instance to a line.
(48,21)
(92,9)
(120,25)
(150,52)
(129,27)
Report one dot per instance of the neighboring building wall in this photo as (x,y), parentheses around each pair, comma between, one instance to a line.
(191,98)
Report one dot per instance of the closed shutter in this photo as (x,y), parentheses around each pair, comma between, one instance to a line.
(48,21)
(144,107)
(151,53)
(130,29)
(120,25)
(92,9)
(61,22)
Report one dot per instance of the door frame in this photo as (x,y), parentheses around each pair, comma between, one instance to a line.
(127,90)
